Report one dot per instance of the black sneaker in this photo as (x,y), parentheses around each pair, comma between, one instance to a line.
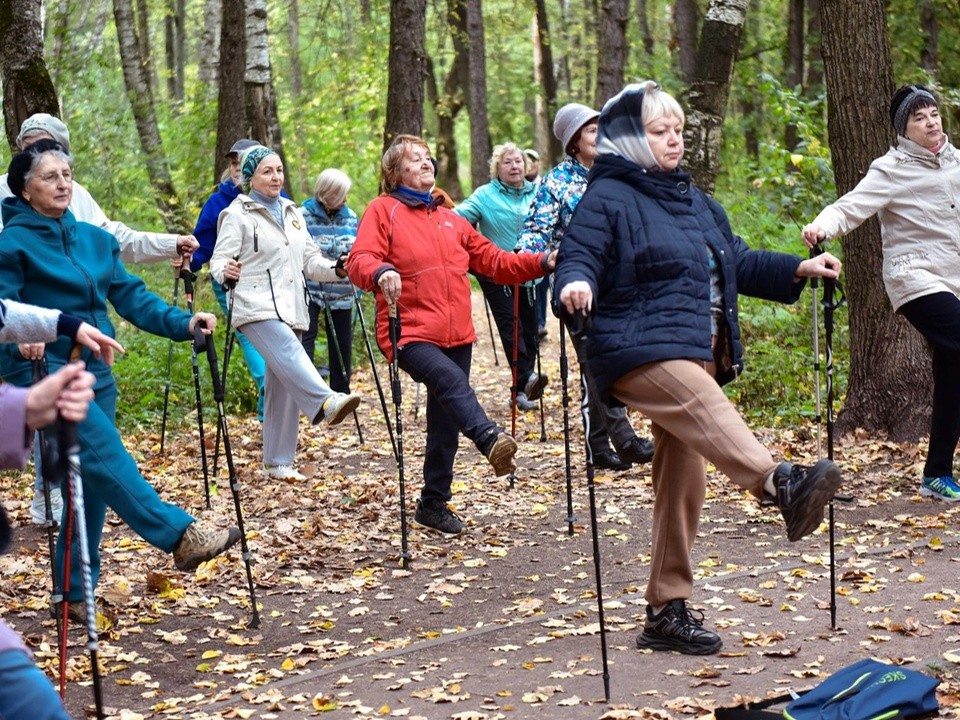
(638,450)
(676,627)
(438,516)
(609,460)
(802,494)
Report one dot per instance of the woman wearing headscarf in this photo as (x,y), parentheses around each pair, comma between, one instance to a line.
(497,210)
(414,254)
(333,227)
(914,189)
(49,259)
(264,248)
(653,263)
(558,195)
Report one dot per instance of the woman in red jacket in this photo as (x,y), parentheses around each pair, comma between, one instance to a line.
(413,253)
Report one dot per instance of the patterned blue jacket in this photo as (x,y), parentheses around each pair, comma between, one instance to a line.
(334,236)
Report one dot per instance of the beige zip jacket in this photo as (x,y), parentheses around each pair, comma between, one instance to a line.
(274,259)
(916,196)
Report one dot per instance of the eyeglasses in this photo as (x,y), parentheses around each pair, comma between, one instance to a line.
(51,178)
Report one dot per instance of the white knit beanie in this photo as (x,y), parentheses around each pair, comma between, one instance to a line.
(44,123)
(570,118)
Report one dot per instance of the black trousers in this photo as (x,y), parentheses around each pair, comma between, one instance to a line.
(343,329)
(500,299)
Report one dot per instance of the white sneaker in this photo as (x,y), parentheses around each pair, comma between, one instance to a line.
(38,512)
(338,406)
(282,472)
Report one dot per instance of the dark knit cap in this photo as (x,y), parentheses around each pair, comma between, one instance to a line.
(21,163)
(905,101)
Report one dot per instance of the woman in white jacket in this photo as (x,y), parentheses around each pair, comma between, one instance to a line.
(265,235)
(914,190)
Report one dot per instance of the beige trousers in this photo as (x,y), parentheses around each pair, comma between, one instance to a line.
(692,421)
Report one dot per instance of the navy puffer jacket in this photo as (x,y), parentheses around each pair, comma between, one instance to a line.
(640,239)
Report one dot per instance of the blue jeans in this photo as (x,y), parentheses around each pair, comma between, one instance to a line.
(452,408)
(255,363)
(937,318)
(25,692)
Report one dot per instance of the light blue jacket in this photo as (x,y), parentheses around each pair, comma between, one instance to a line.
(334,235)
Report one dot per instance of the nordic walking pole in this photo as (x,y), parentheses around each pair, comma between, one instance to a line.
(188,279)
(70,442)
(376,376)
(493,342)
(565,395)
(39,368)
(514,388)
(578,323)
(230,287)
(203,342)
(394,319)
(328,314)
(166,387)
(543,426)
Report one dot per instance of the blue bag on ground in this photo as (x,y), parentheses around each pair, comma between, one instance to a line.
(868,690)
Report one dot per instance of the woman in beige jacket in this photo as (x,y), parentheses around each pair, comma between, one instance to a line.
(265,235)
(914,190)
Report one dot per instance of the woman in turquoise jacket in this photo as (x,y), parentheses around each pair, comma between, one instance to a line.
(497,210)
(49,259)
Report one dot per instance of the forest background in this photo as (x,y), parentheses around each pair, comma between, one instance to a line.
(153,91)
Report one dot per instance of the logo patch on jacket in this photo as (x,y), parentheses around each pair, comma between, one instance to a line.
(295,223)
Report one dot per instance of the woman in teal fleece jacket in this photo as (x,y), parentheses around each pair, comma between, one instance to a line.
(49,259)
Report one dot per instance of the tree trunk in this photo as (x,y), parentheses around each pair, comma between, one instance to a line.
(889,380)
(813,85)
(174,47)
(209,50)
(140,95)
(707,98)
(406,69)
(262,121)
(930,52)
(685,24)
(231,125)
(750,101)
(643,24)
(293,39)
(27,87)
(142,20)
(547,82)
(480,145)
(612,45)
(449,104)
(793,63)
(57,28)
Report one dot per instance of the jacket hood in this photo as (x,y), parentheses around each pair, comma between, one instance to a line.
(908,151)
(674,185)
(17,213)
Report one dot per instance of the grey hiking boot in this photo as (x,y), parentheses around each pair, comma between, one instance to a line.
(534,386)
(676,627)
(802,494)
(199,544)
(437,516)
(501,454)
(524,403)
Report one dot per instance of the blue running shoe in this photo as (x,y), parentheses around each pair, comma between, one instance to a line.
(943,488)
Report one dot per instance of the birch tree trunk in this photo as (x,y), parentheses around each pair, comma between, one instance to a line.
(140,95)
(612,49)
(707,98)
(27,87)
(480,145)
(208,51)
(890,377)
(406,69)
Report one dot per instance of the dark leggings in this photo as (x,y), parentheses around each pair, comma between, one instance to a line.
(937,318)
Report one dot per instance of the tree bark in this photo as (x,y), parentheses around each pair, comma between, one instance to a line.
(930,52)
(142,20)
(449,104)
(793,64)
(293,39)
(547,82)
(231,124)
(406,69)
(140,95)
(612,49)
(750,101)
(707,98)
(889,379)
(262,120)
(175,48)
(209,49)
(643,25)
(685,24)
(813,85)
(27,87)
(480,145)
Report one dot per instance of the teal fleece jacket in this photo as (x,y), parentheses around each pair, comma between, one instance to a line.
(73,267)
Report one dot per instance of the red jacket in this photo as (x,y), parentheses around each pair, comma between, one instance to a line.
(432,248)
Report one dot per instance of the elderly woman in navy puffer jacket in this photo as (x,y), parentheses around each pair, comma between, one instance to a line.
(653,258)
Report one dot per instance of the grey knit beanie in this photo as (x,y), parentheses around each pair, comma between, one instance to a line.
(570,118)
(40,123)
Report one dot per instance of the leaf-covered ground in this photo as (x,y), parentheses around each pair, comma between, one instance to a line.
(502,621)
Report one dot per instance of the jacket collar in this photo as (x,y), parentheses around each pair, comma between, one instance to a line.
(674,185)
(907,151)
